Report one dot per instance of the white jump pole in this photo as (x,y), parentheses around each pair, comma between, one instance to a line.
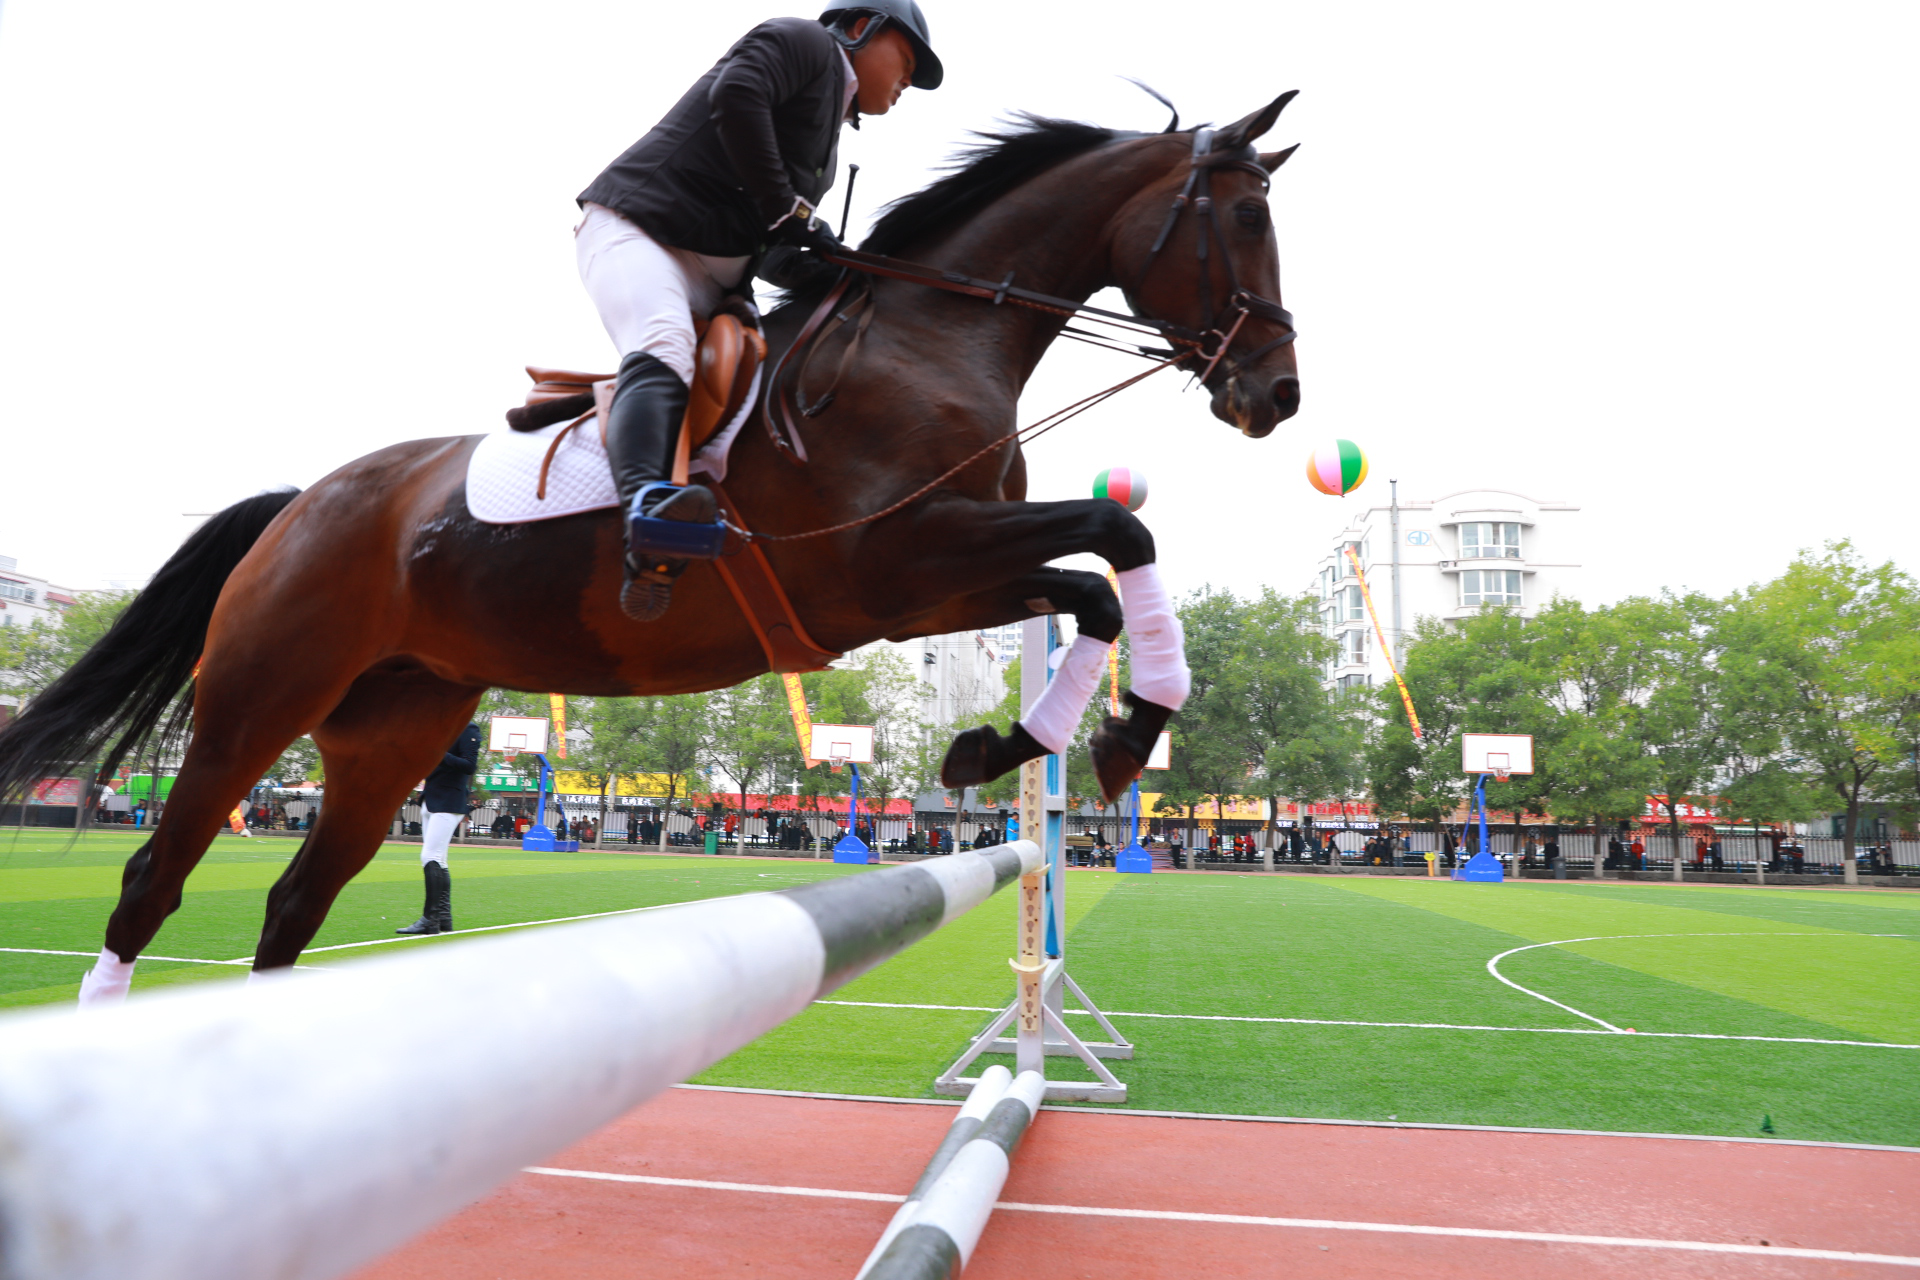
(302,1127)
(933,1235)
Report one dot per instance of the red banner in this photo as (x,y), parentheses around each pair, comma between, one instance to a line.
(56,791)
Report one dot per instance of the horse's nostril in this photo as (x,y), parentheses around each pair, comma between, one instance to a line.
(1286,395)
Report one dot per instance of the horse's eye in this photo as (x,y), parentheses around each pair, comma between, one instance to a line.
(1251,216)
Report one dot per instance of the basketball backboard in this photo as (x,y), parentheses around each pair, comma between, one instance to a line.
(517,733)
(842,743)
(1496,753)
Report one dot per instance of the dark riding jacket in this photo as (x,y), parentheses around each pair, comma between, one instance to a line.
(726,163)
(449,786)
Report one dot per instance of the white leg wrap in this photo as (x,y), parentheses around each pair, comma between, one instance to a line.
(1057,711)
(107,982)
(437,831)
(1155,640)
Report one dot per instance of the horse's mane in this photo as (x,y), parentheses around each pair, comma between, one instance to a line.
(980,174)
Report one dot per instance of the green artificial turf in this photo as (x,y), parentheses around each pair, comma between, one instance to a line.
(1798,965)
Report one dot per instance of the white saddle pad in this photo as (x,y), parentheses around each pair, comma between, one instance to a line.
(503,474)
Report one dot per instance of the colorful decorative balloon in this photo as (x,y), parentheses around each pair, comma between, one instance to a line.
(1337,468)
(1124,485)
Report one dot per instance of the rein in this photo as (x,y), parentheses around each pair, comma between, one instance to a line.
(1211,342)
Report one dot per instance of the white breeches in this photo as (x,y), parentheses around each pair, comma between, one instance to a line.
(436,831)
(648,294)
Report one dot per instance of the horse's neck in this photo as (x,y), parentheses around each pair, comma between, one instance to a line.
(1055,235)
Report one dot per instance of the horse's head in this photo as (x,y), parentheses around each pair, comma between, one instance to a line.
(1196,249)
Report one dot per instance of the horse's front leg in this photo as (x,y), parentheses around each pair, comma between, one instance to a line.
(956,542)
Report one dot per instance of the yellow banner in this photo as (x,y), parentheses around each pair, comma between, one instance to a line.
(802,721)
(1113,658)
(1406,699)
(627,784)
(558,701)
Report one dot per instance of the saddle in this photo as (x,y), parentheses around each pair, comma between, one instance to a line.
(731,350)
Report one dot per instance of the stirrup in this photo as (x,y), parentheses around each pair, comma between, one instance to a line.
(680,539)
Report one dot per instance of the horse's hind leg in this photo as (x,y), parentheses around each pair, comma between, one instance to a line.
(389,732)
(238,734)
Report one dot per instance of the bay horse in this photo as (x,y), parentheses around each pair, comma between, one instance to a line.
(364,610)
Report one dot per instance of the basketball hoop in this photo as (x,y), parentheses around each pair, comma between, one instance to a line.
(510,753)
(1501,775)
(839,760)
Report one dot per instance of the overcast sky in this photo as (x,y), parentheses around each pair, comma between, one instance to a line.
(1655,259)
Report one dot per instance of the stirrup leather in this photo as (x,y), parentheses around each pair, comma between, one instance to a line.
(681,539)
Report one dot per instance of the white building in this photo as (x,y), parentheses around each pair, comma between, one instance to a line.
(1005,643)
(1441,558)
(962,676)
(25,599)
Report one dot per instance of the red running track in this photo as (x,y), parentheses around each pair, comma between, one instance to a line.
(1758,1196)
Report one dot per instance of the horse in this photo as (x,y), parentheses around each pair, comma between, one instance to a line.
(363,611)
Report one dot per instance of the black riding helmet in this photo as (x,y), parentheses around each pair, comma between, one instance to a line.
(906,15)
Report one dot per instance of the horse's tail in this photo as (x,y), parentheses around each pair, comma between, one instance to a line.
(121,687)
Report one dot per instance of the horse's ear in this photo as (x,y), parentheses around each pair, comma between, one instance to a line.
(1247,128)
(1271,160)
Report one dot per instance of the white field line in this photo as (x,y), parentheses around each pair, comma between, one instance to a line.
(1417,1026)
(1493,967)
(1249,1220)
(486,928)
(40,951)
(1174,1017)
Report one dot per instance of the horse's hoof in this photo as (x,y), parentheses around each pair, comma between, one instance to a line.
(1120,747)
(981,755)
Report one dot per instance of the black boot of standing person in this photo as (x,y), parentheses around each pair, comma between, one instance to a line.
(437,915)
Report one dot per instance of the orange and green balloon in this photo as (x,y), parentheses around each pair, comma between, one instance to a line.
(1124,485)
(1337,468)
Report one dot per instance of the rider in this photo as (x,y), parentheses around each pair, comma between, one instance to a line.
(675,223)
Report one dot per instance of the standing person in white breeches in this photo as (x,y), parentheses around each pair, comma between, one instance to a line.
(723,188)
(447,798)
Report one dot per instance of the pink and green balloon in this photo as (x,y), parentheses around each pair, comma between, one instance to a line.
(1337,467)
(1124,485)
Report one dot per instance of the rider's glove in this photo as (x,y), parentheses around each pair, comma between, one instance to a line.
(805,229)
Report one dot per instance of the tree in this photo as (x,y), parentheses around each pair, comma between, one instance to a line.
(300,762)
(1302,742)
(748,733)
(676,734)
(34,656)
(1209,757)
(1827,647)
(1477,676)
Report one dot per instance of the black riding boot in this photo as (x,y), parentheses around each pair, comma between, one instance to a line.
(437,915)
(643,429)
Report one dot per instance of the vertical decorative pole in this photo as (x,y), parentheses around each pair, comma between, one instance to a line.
(1030,961)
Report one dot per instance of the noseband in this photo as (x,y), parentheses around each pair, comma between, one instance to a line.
(1212,341)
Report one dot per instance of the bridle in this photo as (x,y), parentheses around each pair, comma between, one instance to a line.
(1210,343)
(1241,302)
